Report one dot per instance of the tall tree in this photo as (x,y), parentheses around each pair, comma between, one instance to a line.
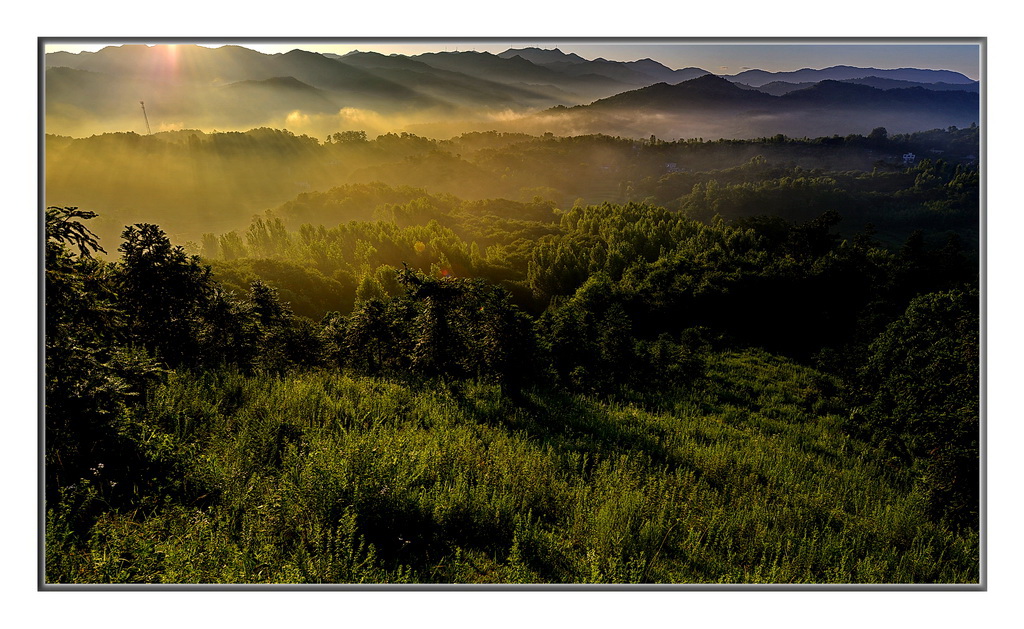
(166,293)
(922,378)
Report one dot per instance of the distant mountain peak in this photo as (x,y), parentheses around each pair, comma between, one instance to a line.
(703,91)
(757,78)
(711,81)
(298,53)
(542,56)
(710,78)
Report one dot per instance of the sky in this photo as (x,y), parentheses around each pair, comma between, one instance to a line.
(719,57)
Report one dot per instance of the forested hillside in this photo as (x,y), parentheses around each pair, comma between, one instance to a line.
(464,312)
(195,182)
(755,370)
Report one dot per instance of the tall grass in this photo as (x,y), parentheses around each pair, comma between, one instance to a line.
(327,477)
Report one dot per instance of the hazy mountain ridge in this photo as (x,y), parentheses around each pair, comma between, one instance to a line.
(696,107)
(542,56)
(778,88)
(439,93)
(516,70)
(715,91)
(640,72)
(480,90)
(843,94)
(707,90)
(756,78)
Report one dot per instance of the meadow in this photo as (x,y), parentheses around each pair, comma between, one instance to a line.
(322,477)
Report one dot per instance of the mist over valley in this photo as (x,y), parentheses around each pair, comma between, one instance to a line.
(205,138)
(232,88)
(511,318)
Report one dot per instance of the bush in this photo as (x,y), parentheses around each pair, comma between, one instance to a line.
(922,383)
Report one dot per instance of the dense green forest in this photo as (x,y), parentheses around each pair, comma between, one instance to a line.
(513,359)
(190,182)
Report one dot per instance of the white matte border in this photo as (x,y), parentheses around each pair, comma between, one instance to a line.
(25,22)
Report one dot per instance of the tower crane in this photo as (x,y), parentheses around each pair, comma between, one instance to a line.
(148,130)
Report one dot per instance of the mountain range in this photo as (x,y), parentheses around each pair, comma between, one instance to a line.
(756,78)
(778,88)
(232,87)
(718,92)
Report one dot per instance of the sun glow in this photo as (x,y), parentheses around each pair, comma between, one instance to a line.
(170,57)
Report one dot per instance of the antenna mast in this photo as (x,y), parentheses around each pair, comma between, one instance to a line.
(148,130)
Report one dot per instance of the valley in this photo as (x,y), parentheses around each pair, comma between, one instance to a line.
(513,318)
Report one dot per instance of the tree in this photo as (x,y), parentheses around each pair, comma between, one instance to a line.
(284,340)
(91,377)
(922,385)
(349,137)
(878,136)
(377,336)
(615,347)
(369,288)
(501,340)
(589,337)
(442,327)
(166,295)
(438,349)
(63,228)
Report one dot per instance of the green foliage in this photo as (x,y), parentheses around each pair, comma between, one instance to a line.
(358,479)
(393,384)
(355,137)
(63,227)
(922,378)
(166,294)
(191,182)
(441,327)
(308,291)
(86,387)
(112,332)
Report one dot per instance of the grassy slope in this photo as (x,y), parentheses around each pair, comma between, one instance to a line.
(323,477)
